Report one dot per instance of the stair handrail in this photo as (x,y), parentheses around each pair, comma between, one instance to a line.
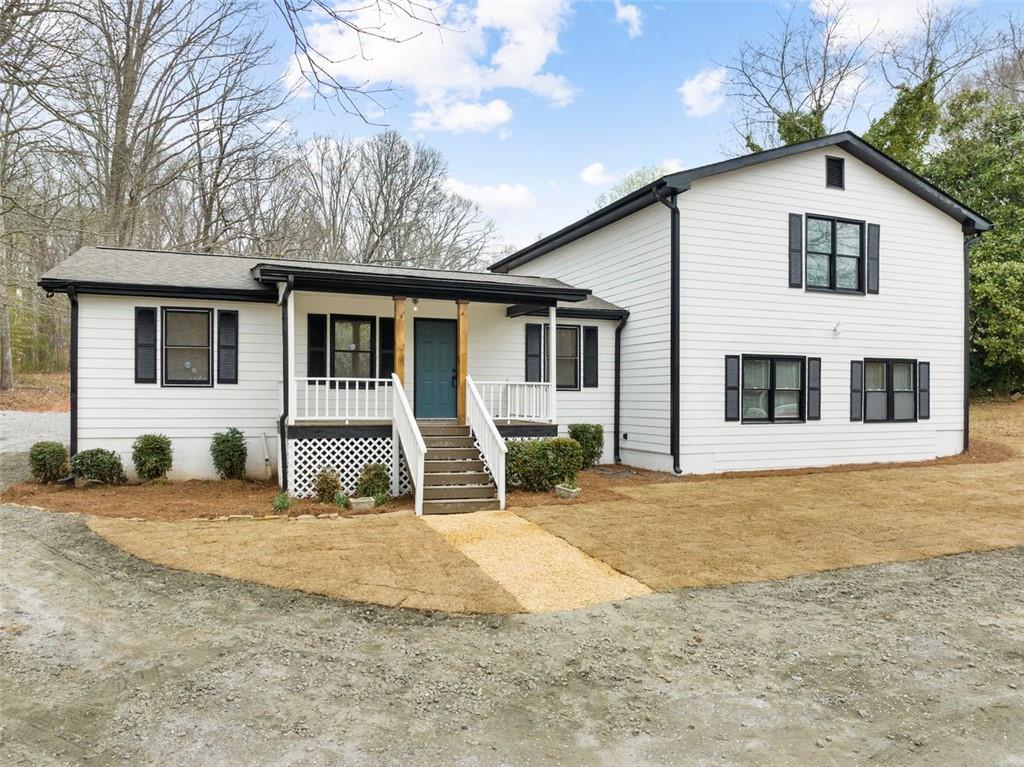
(492,445)
(405,434)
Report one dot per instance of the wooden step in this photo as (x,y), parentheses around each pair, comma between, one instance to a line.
(448,466)
(433,442)
(456,478)
(460,506)
(452,453)
(459,492)
(442,429)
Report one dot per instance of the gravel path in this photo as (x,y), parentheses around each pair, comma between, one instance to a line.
(18,432)
(106,659)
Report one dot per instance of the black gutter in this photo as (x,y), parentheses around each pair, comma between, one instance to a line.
(51,286)
(673,351)
(326,280)
(73,364)
(616,408)
(968,243)
(286,384)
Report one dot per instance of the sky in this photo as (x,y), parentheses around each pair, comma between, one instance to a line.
(541,105)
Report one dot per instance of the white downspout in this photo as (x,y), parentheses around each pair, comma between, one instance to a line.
(553,362)
(292,407)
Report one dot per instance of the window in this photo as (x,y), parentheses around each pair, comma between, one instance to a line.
(773,389)
(835,173)
(187,347)
(567,356)
(835,254)
(352,346)
(890,390)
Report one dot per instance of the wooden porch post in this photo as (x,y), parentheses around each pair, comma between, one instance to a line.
(400,338)
(463,358)
(553,361)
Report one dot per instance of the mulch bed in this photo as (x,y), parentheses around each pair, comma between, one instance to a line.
(165,500)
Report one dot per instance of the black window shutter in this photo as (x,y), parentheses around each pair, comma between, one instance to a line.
(590,357)
(796,250)
(856,390)
(387,347)
(874,233)
(227,346)
(534,352)
(814,389)
(732,387)
(145,344)
(924,390)
(316,345)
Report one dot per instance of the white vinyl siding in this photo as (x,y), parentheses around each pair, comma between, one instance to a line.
(627,263)
(113,410)
(736,299)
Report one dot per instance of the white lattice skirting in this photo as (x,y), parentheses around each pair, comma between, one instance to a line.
(346,457)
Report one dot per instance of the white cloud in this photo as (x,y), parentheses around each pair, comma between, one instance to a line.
(702,94)
(478,47)
(464,116)
(494,198)
(672,165)
(879,19)
(596,175)
(631,16)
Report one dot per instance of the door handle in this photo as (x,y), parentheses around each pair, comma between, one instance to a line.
(453,380)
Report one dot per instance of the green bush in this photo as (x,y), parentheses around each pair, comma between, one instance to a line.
(48,461)
(591,439)
(99,465)
(151,454)
(229,453)
(541,464)
(282,502)
(326,486)
(340,500)
(382,499)
(374,480)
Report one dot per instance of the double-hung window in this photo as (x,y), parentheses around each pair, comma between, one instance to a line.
(187,347)
(890,390)
(835,254)
(567,356)
(773,389)
(352,346)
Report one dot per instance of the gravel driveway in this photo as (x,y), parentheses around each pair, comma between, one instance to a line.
(106,659)
(19,431)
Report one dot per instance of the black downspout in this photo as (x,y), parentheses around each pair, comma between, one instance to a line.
(285,352)
(673,354)
(968,243)
(73,364)
(618,378)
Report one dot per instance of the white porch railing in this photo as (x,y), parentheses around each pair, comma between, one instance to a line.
(405,434)
(343,399)
(517,400)
(492,445)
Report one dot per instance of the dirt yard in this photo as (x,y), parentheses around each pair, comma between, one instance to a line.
(106,659)
(38,393)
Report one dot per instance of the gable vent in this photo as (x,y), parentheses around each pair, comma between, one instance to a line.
(834,176)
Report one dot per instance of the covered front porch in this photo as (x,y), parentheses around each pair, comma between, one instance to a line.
(419,370)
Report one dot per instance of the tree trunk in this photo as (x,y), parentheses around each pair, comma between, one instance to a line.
(6,357)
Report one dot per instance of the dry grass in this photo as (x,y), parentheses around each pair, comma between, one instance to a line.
(38,393)
(169,501)
(747,528)
(390,559)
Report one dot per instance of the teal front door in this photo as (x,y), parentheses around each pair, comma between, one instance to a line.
(435,362)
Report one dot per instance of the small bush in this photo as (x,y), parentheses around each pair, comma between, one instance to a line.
(229,453)
(99,465)
(382,499)
(591,439)
(374,480)
(48,461)
(282,502)
(340,500)
(326,486)
(541,464)
(151,454)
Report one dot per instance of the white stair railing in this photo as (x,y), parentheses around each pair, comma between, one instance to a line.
(343,399)
(492,446)
(405,434)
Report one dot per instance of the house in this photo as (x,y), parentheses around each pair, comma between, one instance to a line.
(802,306)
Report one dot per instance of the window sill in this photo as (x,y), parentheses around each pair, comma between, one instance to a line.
(776,421)
(844,291)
